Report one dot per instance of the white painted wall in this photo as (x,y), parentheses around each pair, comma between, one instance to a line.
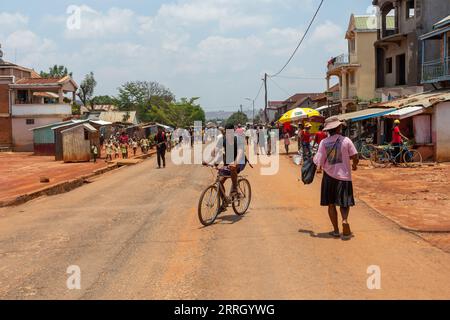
(41,109)
(442,131)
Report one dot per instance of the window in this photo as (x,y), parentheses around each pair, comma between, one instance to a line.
(30,122)
(410,9)
(352,77)
(86,134)
(401,69)
(352,45)
(389,65)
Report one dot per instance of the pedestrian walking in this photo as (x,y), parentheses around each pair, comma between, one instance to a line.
(334,155)
(94,150)
(397,142)
(161,146)
(109,151)
(305,138)
(124,150)
(134,145)
(287,141)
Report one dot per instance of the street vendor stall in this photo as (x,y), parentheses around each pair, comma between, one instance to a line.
(303,115)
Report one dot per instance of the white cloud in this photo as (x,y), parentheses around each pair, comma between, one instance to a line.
(12,21)
(96,24)
(330,37)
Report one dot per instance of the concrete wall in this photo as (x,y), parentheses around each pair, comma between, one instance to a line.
(365,76)
(23,137)
(41,109)
(441,131)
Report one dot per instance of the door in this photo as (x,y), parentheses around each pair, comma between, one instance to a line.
(401,69)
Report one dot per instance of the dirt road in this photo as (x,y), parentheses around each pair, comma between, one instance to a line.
(135,235)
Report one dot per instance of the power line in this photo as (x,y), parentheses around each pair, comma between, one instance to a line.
(259,92)
(301,78)
(279,87)
(301,41)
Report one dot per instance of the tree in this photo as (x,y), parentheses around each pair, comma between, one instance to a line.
(86,90)
(143,96)
(104,101)
(237,118)
(56,72)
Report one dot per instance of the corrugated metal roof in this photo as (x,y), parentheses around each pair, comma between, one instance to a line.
(426,99)
(366,22)
(405,112)
(87,126)
(365,114)
(119,116)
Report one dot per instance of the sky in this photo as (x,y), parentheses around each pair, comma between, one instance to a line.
(217,50)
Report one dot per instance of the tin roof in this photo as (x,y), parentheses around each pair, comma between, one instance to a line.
(426,99)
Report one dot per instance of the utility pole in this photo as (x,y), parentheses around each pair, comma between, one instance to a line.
(265,98)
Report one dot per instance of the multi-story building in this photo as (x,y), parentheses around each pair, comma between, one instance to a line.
(28,101)
(355,69)
(398,53)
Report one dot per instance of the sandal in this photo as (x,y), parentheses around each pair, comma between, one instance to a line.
(347,233)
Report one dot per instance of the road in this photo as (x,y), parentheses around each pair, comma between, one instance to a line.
(135,234)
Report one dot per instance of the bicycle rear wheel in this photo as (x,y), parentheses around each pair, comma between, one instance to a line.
(412,158)
(241,205)
(366,151)
(379,158)
(209,205)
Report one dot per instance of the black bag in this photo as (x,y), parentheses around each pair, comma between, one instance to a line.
(309,169)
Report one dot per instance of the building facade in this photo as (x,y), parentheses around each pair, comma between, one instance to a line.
(398,49)
(355,69)
(28,101)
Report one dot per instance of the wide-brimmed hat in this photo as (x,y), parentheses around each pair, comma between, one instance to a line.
(308,125)
(332,123)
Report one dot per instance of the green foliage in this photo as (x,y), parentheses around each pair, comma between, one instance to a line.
(104,101)
(86,90)
(156,103)
(237,118)
(56,72)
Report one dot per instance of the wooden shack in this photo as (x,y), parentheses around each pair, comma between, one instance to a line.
(77,142)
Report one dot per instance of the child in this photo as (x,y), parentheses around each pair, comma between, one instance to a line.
(134,144)
(124,149)
(287,141)
(116,150)
(94,150)
(109,151)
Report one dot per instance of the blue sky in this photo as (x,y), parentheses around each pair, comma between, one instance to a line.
(217,50)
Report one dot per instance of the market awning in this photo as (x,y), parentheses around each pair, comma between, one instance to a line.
(405,112)
(365,114)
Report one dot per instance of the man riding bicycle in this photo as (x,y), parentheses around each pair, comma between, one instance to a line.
(230,150)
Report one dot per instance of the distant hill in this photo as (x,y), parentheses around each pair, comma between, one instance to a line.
(224,115)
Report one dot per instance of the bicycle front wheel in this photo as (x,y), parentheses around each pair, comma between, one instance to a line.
(366,152)
(241,205)
(412,158)
(379,158)
(209,205)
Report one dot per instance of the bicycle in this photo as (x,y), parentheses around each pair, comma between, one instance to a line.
(365,147)
(382,156)
(214,200)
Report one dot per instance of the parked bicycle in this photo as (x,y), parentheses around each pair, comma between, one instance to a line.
(383,156)
(214,200)
(365,147)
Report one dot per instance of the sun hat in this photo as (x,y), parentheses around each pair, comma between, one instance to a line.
(332,123)
(397,121)
(308,125)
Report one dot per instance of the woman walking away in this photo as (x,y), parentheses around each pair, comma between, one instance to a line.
(334,155)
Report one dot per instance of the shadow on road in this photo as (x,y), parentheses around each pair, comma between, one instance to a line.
(230,219)
(324,235)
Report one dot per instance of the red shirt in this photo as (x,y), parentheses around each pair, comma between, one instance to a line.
(320,136)
(306,136)
(396,137)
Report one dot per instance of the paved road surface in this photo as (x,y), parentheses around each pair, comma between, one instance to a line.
(135,235)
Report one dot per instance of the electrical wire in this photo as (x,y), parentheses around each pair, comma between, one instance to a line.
(301,41)
(279,87)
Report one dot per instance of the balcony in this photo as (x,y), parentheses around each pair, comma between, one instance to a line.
(436,71)
(30,110)
(343,59)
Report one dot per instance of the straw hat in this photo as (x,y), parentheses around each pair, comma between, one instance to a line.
(332,123)
(308,125)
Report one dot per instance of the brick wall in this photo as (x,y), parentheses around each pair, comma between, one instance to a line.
(5,123)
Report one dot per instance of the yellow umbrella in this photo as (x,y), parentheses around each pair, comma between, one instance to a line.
(298,114)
